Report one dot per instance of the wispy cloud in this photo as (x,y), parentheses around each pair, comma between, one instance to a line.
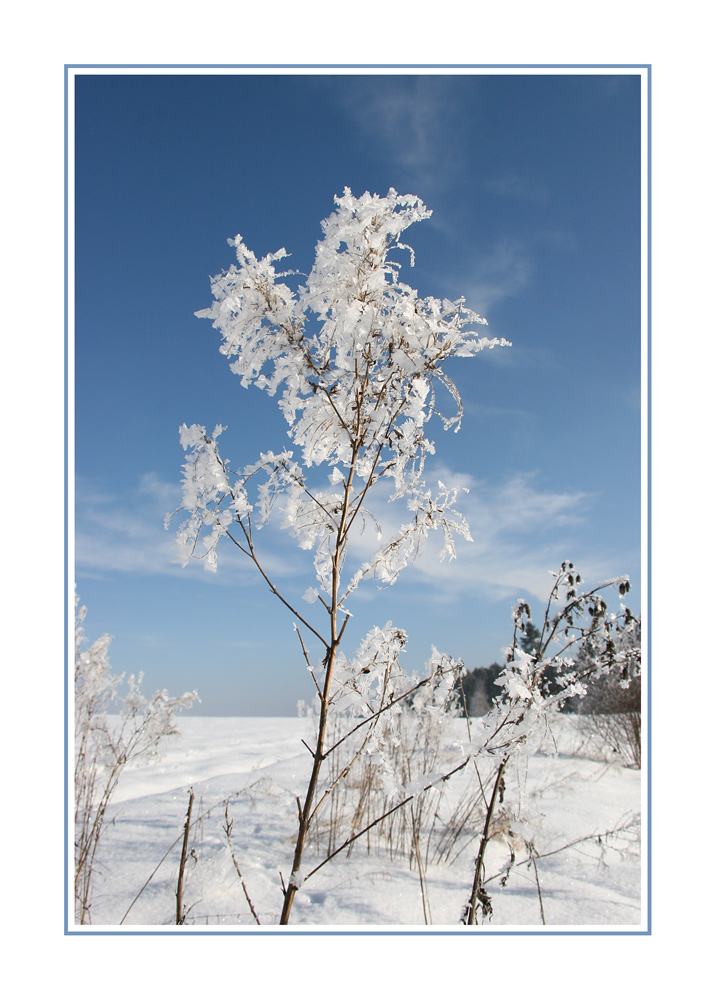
(507,268)
(520,532)
(497,274)
(517,186)
(125,534)
(411,119)
(412,123)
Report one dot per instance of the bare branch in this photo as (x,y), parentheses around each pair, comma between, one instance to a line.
(252,555)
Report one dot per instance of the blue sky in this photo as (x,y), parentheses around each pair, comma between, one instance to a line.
(534,183)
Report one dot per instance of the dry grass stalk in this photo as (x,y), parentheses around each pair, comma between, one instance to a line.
(182,862)
(228,827)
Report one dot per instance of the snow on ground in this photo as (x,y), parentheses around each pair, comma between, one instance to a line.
(259,766)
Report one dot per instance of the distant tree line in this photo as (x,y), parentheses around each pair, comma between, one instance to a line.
(478,688)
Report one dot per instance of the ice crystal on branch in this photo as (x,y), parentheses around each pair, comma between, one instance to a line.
(357,356)
(374,701)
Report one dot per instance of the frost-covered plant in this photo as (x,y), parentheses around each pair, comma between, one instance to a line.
(386,729)
(610,714)
(538,682)
(104,747)
(357,356)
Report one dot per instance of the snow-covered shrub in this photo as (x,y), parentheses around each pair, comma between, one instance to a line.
(104,746)
(538,681)
(358,357)
(386,733)
(609,716)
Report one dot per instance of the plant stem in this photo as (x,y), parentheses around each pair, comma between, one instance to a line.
(305,812)
(182,862)
(227,829)
(477,887)
(423,882)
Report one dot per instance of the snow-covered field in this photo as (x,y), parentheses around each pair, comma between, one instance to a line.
(569,869)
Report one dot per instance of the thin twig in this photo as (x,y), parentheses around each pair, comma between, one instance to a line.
(384,708)
(478,881)
(423,884)
(227,829)
(182,861)
(351,840)
(573,843)
(250,552)
(169,850)
(534,855)
(310,668)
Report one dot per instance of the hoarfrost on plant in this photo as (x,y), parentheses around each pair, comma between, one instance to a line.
(357,357)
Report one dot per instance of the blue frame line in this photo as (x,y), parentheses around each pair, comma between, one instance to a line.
(641,932)
(387,66)
(360,933)
(66,501)
(648,509)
